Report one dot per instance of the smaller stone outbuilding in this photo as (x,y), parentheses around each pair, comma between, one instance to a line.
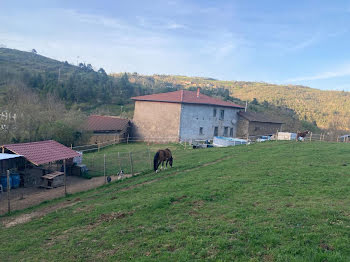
(257,124)
(107,128)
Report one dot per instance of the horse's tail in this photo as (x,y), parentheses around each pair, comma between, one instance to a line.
(155,161)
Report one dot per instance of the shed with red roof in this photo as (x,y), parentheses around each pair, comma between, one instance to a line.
(183,115)
(42,152)
(41,157)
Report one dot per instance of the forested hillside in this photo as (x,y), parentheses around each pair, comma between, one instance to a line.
(74,84)
(326,109)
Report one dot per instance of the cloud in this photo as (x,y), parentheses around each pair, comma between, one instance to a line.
(95,19)
(304,44)
(340,72)
(176,26)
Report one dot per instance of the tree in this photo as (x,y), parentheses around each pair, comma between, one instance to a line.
(102,71)
(255,101)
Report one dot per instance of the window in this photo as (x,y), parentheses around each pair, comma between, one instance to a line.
(216,131)
(222,114)
(231,132)
(214,112)
(225,131)
(201,130)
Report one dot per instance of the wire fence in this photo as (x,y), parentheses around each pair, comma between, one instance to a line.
(113,163)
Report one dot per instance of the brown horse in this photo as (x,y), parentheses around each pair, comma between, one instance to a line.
(160,157)
(302,134)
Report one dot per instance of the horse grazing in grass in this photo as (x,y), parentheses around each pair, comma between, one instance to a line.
(302,135)
(160,157)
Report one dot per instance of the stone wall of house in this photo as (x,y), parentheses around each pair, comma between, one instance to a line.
(100,138)
(259,128)
(198,122)
(156,121)
(242,128)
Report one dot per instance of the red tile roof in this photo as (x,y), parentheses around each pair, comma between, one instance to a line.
(106,123)
(42,152)
(186,97)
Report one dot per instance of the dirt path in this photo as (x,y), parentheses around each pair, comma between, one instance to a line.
(22,198)
(13,221)
(82,185)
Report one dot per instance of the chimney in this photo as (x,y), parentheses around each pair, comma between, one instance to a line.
(198,92)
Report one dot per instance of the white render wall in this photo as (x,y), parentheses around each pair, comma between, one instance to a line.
(195,116)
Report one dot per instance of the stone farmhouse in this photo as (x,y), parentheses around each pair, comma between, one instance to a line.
(183,115)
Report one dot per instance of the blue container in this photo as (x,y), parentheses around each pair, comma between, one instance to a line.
(15,180)
(3,181)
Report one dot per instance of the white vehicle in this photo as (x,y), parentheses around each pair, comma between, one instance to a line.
(263,138)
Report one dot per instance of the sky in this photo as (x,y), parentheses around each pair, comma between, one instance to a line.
(300,42)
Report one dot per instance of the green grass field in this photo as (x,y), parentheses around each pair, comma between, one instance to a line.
(273,201)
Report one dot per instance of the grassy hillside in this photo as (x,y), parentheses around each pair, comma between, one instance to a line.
(326,109)
(273,201)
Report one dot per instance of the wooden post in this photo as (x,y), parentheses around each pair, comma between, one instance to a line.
(65,177)
(120,164)
(104,167)
(127,139)
(149,158)
(98,147)
(3,149)
(337,139)
(8,191)
(310,136)
(185,144)
(321,137)
(131,164)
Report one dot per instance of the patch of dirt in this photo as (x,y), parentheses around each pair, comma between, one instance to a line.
(268,257)
(196,206)
(114,215)
(289,205)
(198,203)
(326,246)
(109,217)
(178,200)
